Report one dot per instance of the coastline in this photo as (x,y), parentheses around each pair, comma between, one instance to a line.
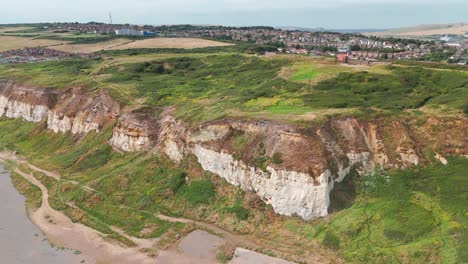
(94,247)
(60,230)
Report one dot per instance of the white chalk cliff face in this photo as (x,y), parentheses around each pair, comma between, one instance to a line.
(288,192)
(171,138)
(136,130)
(60,123)
(80,113)
(128,143)
(312,162)
(16,109)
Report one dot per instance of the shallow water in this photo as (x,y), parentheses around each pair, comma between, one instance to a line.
(21,241)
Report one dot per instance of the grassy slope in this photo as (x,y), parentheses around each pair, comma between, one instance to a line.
(127,186)
(207,86)
(410,216)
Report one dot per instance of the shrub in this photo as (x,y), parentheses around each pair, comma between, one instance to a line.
(199,192)
(261,162)
(331,241)
(176,181)
(240,212)
(276,158)
(239,141)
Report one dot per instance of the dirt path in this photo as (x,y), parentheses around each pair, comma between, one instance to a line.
(46,214)
(238,240)
(61,230)
(93,244)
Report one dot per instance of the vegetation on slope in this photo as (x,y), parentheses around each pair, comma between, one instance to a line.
(410,216)
(211,86)
(105,188)
(415,215)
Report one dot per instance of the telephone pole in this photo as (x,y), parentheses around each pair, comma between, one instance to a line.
(110,18)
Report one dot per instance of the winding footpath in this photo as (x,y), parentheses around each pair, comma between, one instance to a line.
(239,240)
(61,230)
(94,245)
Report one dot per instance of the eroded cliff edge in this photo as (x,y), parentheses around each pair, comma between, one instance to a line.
(293,168)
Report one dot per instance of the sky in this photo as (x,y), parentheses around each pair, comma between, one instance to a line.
(335,14)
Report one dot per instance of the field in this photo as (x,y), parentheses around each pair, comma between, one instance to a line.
(175,43)
(14,29)
(93,47)
(315,70)
(88,43)
(13,42)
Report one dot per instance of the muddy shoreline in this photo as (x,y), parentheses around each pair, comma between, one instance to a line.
(197,247)
(21,241)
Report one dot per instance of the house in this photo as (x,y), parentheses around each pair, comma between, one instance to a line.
(343,55)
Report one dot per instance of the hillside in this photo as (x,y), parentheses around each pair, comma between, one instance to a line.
(295,157)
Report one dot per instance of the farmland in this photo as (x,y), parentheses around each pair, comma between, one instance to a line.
(13,42)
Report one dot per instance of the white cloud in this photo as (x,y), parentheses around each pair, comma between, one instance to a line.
(336,13)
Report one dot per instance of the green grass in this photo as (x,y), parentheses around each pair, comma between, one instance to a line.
(212,86)
(208,86)
(416,215)
(129,189)
(199,192)
(31,192)
(237,209)
(305,73)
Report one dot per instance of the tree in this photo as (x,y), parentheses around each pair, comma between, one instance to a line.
(355,47)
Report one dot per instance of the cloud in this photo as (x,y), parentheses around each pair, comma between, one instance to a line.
(331,13)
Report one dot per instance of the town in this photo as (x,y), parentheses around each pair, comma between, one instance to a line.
(348,48)
(357,46)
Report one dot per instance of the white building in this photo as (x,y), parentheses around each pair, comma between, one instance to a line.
(128,32)
(446,38)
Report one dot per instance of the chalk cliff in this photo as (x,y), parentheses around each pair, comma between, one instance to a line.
(79,112)
(29,104)
(136,130)
(292,168)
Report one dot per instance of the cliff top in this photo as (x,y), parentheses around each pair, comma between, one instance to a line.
(212,86)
